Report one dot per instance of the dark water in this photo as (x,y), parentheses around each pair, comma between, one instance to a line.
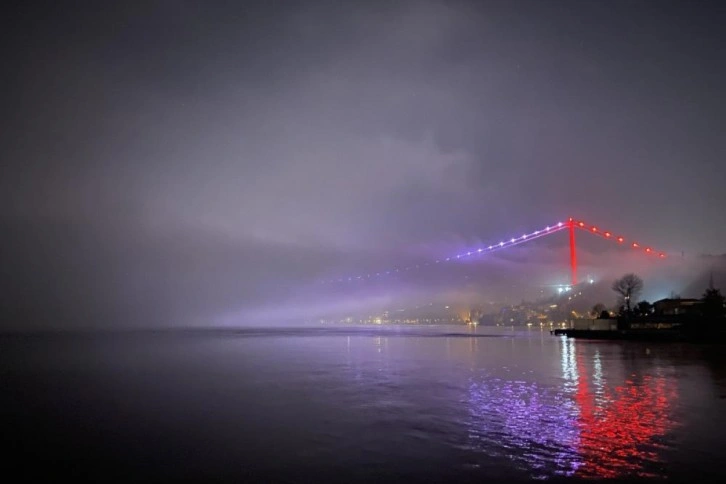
(359,404)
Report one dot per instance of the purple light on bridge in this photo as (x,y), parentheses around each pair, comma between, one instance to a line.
(509,243)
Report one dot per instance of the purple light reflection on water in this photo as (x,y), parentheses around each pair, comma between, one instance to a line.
(534,426)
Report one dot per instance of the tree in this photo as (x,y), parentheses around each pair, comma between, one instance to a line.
(643,308)
(628,288)
(597,310)
(713,301)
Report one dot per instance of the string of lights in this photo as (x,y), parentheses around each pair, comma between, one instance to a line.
(592,229)
(502,244)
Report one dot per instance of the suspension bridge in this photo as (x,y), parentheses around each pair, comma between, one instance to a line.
(571,225)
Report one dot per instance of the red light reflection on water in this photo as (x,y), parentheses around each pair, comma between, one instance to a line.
(594,424)
(620,427)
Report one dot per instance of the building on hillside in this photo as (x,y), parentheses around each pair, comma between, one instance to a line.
(675,307)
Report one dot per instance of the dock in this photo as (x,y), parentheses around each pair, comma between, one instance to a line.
(622,334)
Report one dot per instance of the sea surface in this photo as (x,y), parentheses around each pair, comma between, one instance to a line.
(359,404)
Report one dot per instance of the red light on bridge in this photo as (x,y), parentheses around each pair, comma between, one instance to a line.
(526,237)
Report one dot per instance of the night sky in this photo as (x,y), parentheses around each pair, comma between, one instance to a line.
(169,162)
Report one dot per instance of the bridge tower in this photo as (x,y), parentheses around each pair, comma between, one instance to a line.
(573,252)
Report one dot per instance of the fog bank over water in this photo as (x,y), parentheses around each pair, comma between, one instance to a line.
(174,163)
